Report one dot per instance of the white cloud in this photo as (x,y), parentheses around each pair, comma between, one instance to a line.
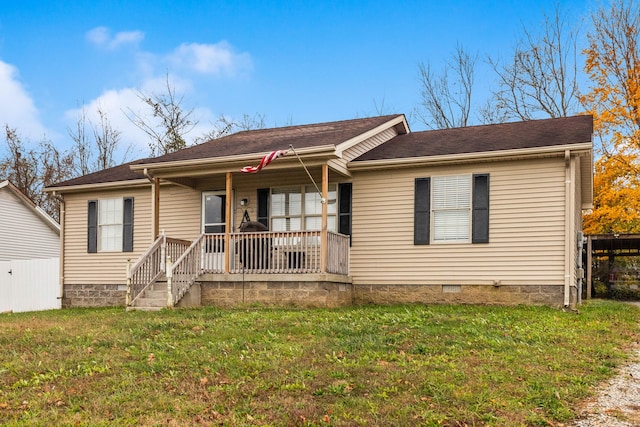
(17,108)
(117,104)
(214,59)
(101,36)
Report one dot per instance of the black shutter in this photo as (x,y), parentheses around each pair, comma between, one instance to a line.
(127,225)
(92,227)
(422,207)
(480,217)
(344,209)
(263,206)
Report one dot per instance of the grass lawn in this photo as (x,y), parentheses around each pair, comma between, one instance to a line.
(371,366)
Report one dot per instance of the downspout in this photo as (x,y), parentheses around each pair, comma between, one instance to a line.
(567,228)
(61,255)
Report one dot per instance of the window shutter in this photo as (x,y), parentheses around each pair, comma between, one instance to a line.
(127,225)
(92,227)
(480,217)
(421,220)
(344,208)
(263,206)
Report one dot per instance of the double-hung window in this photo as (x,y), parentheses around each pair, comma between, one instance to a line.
(451,209)
(110,225)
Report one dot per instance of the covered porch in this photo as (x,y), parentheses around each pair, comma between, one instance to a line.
(303,249)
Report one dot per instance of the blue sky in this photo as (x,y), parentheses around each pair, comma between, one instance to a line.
(292,62)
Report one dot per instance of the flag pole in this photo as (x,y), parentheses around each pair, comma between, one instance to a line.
(322,199)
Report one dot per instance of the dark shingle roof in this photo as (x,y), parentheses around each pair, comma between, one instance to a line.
(477,139)
(266,140)
(247,142)
(117,173)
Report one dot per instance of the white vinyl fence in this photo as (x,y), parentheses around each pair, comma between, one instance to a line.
(29,285)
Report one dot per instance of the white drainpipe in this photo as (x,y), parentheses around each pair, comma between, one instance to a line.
(568,229)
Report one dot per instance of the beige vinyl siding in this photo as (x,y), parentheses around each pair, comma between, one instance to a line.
(81,267)
(24,234)
(369,144)
(526,228)
(180,211)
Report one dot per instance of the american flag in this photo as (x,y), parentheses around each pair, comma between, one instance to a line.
(264,162)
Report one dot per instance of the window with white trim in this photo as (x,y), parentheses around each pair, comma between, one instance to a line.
(451,208)
(110,221)
(297,208)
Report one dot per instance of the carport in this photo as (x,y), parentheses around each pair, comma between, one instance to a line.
(610,246)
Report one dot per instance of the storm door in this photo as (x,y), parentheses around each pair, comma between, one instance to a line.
(213,222)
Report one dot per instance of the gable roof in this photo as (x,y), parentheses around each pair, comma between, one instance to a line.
(267,140)
(256,142)
(38,212)
(331,139)
(485,138)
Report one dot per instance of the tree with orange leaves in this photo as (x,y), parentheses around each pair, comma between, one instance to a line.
(613,66)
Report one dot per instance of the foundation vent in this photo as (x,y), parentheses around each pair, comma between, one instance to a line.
(451,289)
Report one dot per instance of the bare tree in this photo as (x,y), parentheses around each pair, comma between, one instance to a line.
(30,170)
(97,153)
(226,126)
(168,123)
(107,140)
(446,98)
(21,165)
(81,144)
(541,78)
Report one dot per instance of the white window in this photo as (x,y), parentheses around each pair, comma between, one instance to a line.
(110,221)
(451,208)
(300,208)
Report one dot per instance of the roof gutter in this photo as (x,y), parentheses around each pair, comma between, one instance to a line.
(580,149)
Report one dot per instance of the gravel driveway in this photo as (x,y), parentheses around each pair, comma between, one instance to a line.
(617,403)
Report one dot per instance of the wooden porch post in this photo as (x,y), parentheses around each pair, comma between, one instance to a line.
(323,234)
(227,223)
(589,263)
(156,208)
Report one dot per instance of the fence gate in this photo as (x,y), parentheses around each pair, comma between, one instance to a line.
(29,285)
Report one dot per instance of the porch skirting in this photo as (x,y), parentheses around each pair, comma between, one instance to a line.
(281,290)
(552,295)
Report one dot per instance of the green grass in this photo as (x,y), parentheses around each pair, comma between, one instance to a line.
(383,366)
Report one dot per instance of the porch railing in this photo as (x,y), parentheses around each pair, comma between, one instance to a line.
(275,252)
(151,265)
(290,252)
(185,270)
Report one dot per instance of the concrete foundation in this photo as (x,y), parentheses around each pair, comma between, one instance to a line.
(321,290)
(552,295)
(309,290)
(104,295)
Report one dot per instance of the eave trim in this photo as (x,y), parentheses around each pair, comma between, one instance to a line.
(472,157)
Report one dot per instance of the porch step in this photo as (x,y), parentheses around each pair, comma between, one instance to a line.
(153,298)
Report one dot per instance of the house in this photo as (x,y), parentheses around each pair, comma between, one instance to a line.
(29,254)
(358,211)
